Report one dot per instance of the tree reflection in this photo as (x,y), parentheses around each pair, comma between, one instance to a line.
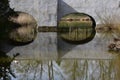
(89,69)
(117,67)
(71,69)
(38,70)
(5,63)
(50,70)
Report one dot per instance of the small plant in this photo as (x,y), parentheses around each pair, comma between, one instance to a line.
(109,24)
(110,28)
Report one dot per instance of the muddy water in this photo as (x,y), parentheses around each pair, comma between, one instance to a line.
(90,61)
(70,69)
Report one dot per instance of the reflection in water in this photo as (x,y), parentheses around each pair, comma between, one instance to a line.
(89,69)
(37,70)
(71,69)
(5,69)
(117,67)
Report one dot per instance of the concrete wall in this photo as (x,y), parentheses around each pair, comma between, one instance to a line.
(97,48)
(90,7)
(45,12)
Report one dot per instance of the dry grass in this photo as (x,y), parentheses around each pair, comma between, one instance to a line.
(110,24)
(110,27)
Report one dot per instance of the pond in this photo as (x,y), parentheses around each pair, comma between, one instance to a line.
(91,61)
(59,69)
(68,69)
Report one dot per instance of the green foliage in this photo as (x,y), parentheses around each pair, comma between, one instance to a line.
(74,15)
(75,24)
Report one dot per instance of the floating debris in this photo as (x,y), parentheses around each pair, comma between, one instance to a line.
(115,45)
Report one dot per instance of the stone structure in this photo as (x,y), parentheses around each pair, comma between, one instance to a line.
(45,13)
(48,13)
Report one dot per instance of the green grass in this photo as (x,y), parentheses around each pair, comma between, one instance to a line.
(75,15)
(77,35)
(76,30)
(75,24)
